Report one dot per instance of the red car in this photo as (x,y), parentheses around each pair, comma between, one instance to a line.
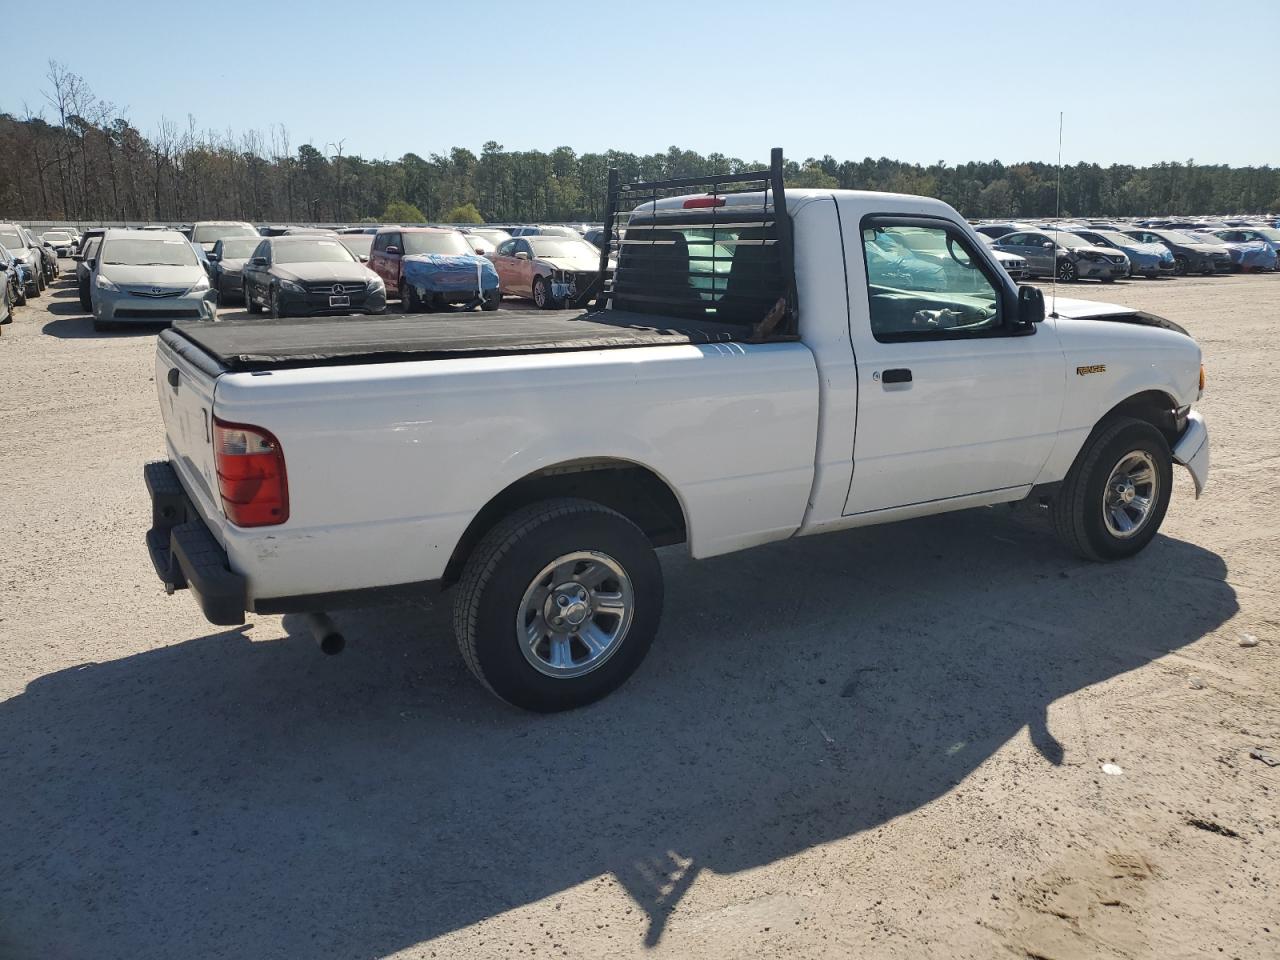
(392,243)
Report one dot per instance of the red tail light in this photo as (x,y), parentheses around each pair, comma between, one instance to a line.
(251,478)
(694,202)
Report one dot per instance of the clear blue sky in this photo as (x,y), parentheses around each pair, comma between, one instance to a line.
(917,80)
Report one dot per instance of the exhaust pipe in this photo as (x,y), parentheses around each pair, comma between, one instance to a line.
(325,632)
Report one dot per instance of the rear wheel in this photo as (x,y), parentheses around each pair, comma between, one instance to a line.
(1115,495)
(20,295)
(558,605)
(274,309)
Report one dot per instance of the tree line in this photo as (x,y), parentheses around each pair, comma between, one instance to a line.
(77,158)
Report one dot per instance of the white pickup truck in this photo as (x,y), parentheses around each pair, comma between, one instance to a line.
(762,365)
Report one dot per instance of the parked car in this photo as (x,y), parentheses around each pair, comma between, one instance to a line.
(1247,255)
(542,230)
(28,253)
(538,472)
(61,241)
(308,232)
(225,264)
(88,235)
(148,276)
(493,235)
(392,244)
(205,233)
(1013,264)
(49,265)
(479,244)
(84,271)
(309,276)
(358,243)
(996,230)
(547,269)
(1189,255)
(441,281)
(13,291)
(1269,235)
(1064,254)
(1151,260)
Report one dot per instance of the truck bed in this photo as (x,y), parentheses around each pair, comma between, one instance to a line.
(253,344)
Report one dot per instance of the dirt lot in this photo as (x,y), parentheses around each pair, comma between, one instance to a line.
(882,743)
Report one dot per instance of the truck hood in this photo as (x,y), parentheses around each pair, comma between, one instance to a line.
(1093,310)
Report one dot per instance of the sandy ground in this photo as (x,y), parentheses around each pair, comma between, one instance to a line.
(883,743)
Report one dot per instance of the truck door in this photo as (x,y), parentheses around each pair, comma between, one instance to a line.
(952,400)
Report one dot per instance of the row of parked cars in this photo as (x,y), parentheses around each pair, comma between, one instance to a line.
(1107,250)
(28,263)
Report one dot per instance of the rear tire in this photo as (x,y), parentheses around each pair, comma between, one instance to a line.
(1090,511)
(20,295)
(521,568)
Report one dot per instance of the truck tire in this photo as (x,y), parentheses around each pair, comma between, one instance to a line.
(558,604)
(1115,495)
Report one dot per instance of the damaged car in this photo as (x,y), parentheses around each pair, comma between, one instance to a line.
(1065,255)
(1149,260)
(548,270)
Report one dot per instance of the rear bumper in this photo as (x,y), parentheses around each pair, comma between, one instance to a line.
(185,554)
(1192,450)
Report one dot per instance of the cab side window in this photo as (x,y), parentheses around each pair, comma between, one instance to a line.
(927,283)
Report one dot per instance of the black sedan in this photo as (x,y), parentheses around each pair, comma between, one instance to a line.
(307,276)
(225,265)
(1189,254)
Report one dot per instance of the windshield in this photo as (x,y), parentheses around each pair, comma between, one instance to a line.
(448,244)
(562,247)
(493,236)
(237,248)
(209,232)
(11,240)
(1119,239)
(310,250)
(357,243)
(1173,236)
(53,237)
(1203,237)
(1272,235)
(136,252)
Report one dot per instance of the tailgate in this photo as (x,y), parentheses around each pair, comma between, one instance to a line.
(185,381)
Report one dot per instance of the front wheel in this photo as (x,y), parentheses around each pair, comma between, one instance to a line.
(1180,266)
(274,309)
(1115,495)
(1066,271)
(492,302)
(409,298)
(558,605)
(543,298)
(248,301)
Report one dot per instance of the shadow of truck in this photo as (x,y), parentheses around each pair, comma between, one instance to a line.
(231,798)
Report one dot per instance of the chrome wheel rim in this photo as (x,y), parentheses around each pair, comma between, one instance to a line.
(575,614)
(1130,495)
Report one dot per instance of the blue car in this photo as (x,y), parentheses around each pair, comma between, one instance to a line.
(437,281)
(1148,259)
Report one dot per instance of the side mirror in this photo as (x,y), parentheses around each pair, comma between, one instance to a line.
(1047,245)
(522,255)
(392,249)
(364,258)
(213,257)
(1030,305)
(259,261)
(479,252)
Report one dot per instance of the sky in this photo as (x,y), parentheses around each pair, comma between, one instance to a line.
(920,80)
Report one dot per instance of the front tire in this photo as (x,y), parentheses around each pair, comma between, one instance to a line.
(542,296)
(274,310)
(1179,266)
(558,604)
(248,301)
(1066,271)
(491,302)
(1115,495)
(409,298)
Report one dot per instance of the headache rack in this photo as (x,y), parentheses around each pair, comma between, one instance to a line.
(717,255)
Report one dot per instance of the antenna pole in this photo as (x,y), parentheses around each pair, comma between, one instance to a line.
(1057,215)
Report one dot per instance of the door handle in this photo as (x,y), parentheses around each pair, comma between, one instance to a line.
(898,375)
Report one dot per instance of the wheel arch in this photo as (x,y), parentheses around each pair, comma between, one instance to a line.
(633,489)
(1156,407)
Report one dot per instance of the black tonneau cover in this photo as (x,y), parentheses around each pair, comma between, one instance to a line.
(250,344)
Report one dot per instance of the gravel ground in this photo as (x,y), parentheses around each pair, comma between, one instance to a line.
(882,743)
